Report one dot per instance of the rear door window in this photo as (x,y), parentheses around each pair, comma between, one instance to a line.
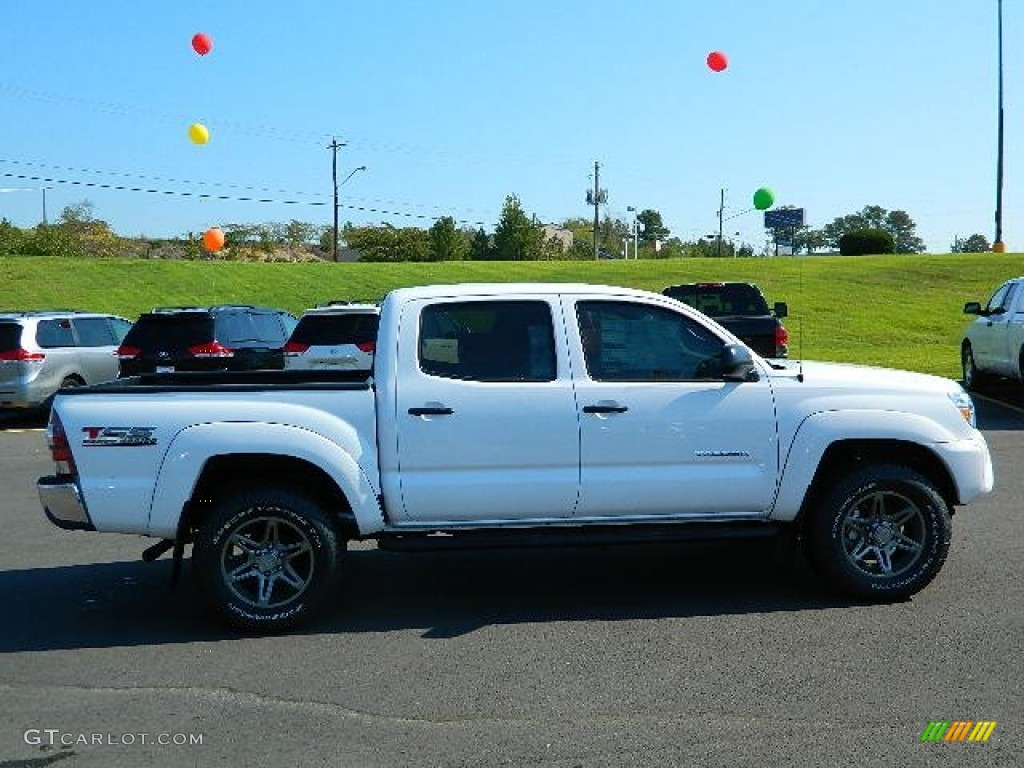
(51,334)
(94,332)
(488,341)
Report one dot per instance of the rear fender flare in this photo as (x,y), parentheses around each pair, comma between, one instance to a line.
(194,446)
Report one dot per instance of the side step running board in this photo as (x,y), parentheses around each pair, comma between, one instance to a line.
(579,536)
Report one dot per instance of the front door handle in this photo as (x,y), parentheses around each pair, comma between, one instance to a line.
(431,410)
(605,408)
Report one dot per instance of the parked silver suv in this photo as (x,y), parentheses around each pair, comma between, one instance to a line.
(44,350)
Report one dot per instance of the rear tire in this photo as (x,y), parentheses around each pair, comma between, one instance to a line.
(881,533)
(267,558)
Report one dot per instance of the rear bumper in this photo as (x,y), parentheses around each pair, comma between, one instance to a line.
(24,395)
(63,504)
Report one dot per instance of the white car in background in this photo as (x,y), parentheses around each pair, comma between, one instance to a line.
(993,344)
(335,336)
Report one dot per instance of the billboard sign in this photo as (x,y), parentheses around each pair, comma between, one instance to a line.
(785,218)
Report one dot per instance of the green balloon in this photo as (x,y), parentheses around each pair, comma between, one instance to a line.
(764,198)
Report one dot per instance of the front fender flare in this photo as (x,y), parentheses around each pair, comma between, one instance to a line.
(820,430)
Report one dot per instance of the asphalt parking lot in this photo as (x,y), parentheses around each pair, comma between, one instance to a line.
(651,656)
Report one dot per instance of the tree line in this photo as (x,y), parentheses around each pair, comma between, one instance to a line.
(517,236)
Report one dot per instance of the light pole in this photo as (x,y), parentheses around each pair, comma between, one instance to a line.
(334,249)
(636,253)
(999,246)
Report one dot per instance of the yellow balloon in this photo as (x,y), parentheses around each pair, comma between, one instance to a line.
(198,133)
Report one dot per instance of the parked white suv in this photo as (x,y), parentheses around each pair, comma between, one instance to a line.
(336,336)
(44,350)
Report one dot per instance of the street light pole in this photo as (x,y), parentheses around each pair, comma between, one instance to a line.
(636,252)
(998,246)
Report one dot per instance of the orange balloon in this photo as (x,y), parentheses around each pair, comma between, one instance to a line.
(213,239)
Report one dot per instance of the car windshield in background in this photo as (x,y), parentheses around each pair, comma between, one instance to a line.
(334,329)
(177,331)
(721,300)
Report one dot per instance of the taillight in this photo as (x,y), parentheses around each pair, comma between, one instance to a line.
(295,348)
(781,341)
(210,349)
(21,355)
(60,448)
(367,346)
(125,352)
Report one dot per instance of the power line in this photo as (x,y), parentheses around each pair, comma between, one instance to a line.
(236,198)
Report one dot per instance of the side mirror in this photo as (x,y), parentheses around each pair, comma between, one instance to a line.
(737,363)
(972,308)
(781,309)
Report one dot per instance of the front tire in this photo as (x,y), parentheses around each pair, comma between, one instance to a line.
(881,533)
(974,380)
(266,558)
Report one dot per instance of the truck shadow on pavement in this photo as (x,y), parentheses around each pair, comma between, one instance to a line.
(443,595)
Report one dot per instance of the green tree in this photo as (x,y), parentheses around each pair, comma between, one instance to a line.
(298,233)
(898,224)
(388,243)
(904,232)
(94,236)
(974,244)
(517,237)
(12,239)
(480,246)
(447,243)
(653,227)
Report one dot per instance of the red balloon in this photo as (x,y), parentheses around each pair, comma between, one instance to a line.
(717,61)
(202,43)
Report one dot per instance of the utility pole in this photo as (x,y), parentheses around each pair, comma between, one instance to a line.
(998,246)
(721,211)
(44,206)
(334,146)
(595,197)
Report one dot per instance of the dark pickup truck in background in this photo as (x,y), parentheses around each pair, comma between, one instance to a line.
(742,309)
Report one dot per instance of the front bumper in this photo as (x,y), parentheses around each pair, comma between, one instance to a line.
(63,503)
(971,466)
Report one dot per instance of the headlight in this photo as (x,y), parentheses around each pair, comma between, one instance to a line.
(965,405)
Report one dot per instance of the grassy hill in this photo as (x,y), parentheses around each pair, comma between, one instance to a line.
(896,311)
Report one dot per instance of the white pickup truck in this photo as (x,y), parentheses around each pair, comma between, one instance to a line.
(993,345)
(519,414)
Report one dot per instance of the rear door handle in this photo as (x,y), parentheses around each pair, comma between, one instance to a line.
(431,410)
(605,408)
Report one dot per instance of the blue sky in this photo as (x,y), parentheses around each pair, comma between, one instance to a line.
(452,105)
